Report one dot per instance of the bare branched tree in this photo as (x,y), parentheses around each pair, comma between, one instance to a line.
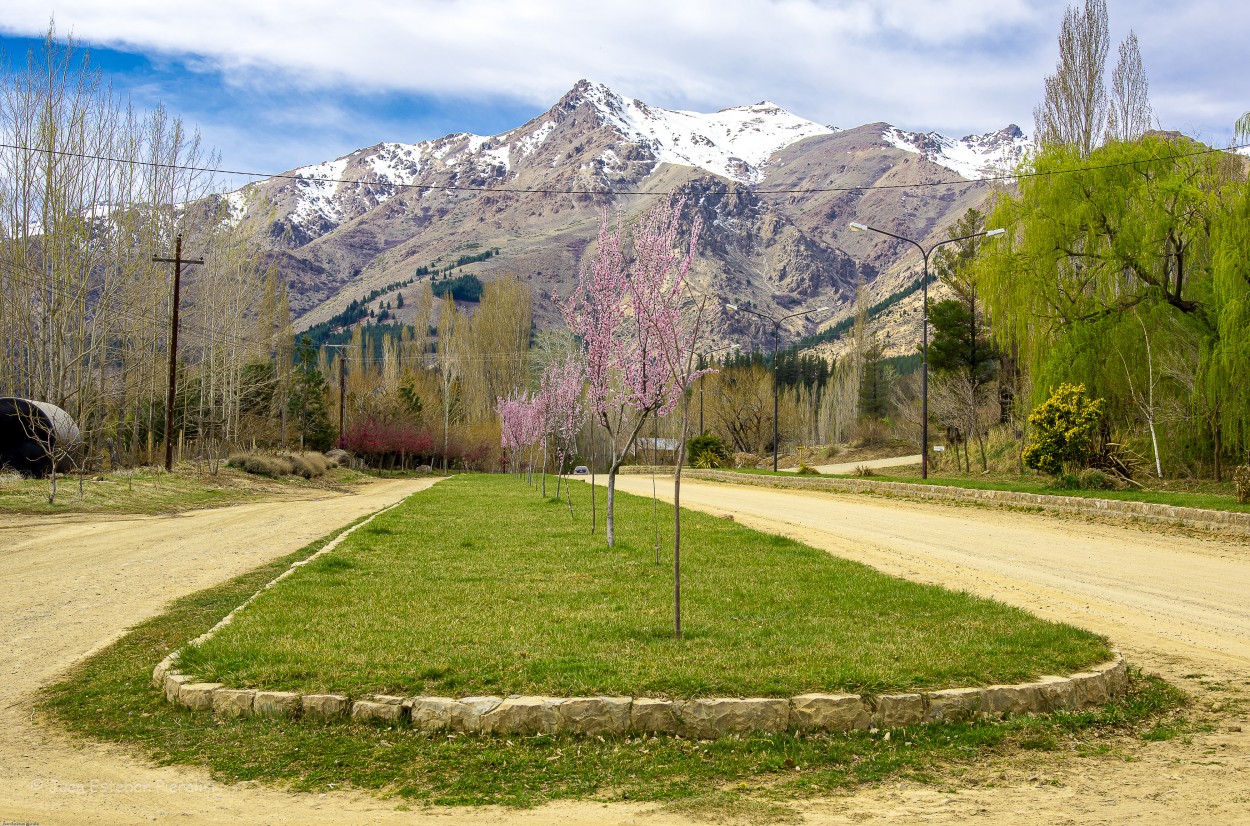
(1074,108)
(1129,114)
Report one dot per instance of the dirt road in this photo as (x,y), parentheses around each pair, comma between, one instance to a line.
(1175,605)
(72,586)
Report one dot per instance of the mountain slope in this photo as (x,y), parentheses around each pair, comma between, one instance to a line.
(776,193)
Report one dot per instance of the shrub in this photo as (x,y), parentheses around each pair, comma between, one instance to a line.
(807,470)
(745,460)
(261,465)
(1067,481)
(307,465)
(870,433)
(1095,479)
(1241,478)
(1063,430)
(383,443)
(707,451)
(863,470)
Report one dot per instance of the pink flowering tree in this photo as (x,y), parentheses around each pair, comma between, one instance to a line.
(562,384)
(658,298)
(512,429)
(629,315)
(522,419)
(534,430)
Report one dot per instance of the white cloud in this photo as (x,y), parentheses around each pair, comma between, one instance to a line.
(958,66)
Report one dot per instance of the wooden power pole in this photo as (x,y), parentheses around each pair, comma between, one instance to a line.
(177,261)
(342,348)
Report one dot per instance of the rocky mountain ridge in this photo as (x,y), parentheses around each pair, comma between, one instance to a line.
(776,192)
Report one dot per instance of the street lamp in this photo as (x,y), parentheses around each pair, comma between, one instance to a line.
(776,342)
(924,327)
(709,355)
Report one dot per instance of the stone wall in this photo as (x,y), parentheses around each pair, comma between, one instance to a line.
(704,719)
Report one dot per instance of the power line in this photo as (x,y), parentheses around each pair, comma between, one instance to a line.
(1015,176)
(209,334)
(211,337)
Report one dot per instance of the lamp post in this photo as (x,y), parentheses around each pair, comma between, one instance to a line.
(924,326)
(708,355)
(776,342)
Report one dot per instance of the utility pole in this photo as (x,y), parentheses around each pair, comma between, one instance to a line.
(177,261)
(342,391)
(776,322)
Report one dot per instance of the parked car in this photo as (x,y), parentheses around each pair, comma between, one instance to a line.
(581,470)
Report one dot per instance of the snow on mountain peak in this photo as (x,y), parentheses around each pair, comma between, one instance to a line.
(733,143)
(973,156)
(318,185)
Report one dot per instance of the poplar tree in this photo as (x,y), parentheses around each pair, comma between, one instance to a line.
(1074,108)
(1129,114)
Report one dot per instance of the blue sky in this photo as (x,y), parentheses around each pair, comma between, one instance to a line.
(276,85)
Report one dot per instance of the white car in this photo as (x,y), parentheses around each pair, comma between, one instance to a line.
(581,470)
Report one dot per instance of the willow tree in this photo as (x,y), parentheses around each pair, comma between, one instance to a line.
(1097,245)
(1229,361)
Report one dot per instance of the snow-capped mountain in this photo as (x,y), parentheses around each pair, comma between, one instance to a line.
(973,157)
(732,143)
(776,192)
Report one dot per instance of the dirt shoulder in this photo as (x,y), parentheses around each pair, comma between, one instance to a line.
(152,491)
(74,584)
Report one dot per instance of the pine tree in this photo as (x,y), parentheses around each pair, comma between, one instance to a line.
(308,399)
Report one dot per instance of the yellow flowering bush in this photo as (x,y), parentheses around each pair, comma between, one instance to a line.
(1063,429)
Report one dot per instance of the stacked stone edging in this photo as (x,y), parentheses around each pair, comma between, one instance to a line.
(703,719)
(1201,518)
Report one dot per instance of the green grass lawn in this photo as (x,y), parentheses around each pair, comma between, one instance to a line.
(108,697)
(479,586)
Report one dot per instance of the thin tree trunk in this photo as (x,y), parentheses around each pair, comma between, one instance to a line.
(1154,443)
(681,459)
(594,510)
(609,511)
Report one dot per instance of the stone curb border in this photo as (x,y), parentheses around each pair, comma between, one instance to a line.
(705,719)
(1201,518)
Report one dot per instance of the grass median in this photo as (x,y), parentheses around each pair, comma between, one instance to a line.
(479,586)
(108,697)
